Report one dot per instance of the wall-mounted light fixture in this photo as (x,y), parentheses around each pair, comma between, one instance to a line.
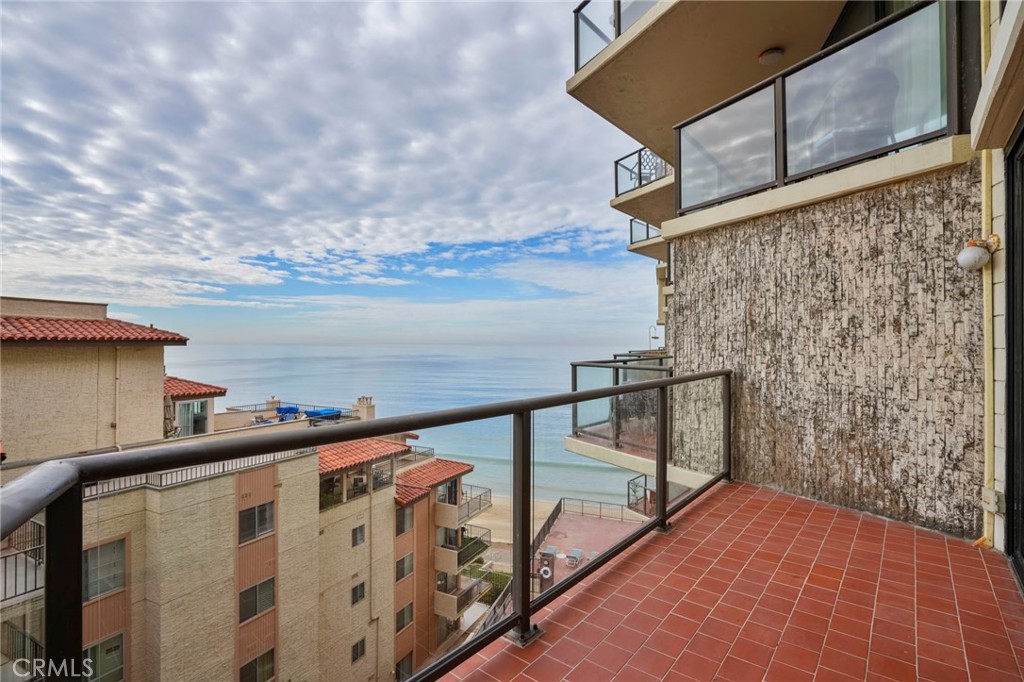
(978,252)
(771,56)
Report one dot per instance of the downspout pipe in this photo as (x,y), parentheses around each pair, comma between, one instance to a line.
(987,306)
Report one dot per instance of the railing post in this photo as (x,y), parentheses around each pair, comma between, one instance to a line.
(661,462)
(524,632)
(615,410)
(780,131)
(727,425)
(62,599)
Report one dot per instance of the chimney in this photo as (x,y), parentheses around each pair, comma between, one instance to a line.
(365,409)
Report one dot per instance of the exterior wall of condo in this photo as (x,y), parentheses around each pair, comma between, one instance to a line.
(856,342)
(343,567)
(418,587)
(98,395)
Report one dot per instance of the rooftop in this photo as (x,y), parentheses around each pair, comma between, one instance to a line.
(754,584)
(15,329)
(184,388)
(433,473)
(407,494)
(339,456)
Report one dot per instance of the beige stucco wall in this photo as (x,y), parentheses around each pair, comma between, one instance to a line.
(857,345)
(61,399)
(37,307)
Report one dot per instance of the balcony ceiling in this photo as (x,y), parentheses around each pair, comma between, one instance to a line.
(682,58)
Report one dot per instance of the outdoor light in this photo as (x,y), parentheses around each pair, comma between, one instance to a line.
(771,56)
(977,252)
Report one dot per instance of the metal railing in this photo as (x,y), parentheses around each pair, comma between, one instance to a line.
(56,486)
(22,572)
(601,510)
(415,454)
(892,85)
(475,541)
(302,407)
(639,168)
(474,500)
(382,476)
(18,645)
(167,479)
(639,231)
(599,22)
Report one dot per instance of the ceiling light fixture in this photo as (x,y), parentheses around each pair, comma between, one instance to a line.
(771,56)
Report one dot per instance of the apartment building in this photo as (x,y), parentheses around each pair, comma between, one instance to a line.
(439,569)
(814,182)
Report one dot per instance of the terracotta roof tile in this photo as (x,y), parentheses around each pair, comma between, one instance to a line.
(339,456)
(407,494)
(25,329)
(433,473)
(183,388)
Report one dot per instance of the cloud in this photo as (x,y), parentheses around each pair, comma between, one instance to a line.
(180,154)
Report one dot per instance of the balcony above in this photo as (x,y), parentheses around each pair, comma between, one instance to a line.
(449,558)
(680,58)
(474,500)
(466,588)
(646,240)
(752,584)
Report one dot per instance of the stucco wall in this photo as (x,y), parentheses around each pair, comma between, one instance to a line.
(64,399)
(857,346)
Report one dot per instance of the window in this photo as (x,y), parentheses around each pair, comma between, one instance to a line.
(106,660)
(358,593)
(403,617)
(192,418)
(403,670)
(102,569)
(259,669)
(255,522)
(403,520)
(358,535)
(403,567)
(255,600)
(358,650)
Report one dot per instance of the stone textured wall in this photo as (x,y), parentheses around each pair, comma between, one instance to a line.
(857,346)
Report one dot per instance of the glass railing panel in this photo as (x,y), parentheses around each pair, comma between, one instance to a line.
(885,89)
(22,559)
(696,450)
(729,151)
(640,231)
(580,494)
(595,29)
(592,418)
(630,12)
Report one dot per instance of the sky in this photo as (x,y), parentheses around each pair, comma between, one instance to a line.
(333,172)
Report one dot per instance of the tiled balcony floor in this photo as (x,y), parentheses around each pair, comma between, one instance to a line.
(754,584)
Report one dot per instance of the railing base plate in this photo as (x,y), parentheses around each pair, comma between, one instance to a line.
(667,528)
(523,640)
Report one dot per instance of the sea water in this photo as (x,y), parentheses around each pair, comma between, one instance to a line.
(415,378)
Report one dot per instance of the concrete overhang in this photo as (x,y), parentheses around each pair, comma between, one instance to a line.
(656,248)
(683,57)
(653,203)
(1001,100)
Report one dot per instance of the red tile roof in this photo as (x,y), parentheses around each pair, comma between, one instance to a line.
(407,494)
(28,329)
(339,456)
(183,388)
(433,473)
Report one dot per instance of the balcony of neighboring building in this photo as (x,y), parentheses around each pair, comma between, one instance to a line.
(458,546)
(21,560)
(459,504)
(455,593)
(646,66)
(276,411)
(644,185)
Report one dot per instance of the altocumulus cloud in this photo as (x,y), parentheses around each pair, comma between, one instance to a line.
(275,155)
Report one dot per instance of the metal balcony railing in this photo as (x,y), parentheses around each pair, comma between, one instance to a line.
(475,499)
(57,487)
(637,169)
(599,22)
(881,90)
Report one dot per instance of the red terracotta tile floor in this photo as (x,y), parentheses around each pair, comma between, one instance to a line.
(753,584)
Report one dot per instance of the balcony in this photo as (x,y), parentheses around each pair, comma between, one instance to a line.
(473,541)
(462,592)
(21,561)
(838,108)
(743,582)
(662,64)
(646,240)
(474,500)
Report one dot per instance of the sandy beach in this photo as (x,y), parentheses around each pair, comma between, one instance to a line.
(499,518)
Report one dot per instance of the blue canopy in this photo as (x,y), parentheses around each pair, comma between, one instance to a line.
(323,413)
(291,409)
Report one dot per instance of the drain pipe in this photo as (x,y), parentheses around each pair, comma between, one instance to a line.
(986,275)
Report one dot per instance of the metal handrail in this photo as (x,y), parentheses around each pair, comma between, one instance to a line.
(56,486)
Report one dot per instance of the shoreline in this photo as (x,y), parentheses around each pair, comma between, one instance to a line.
(498,517)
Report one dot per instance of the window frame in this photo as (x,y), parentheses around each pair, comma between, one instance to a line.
(256,669)
(118,566)
(103,676)
(359,590)
(359,650)
(258,594)
(259,530)
(359,535)
(398,618)
(404,567)
(407,516)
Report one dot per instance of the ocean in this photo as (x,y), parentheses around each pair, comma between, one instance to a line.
(416,378)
